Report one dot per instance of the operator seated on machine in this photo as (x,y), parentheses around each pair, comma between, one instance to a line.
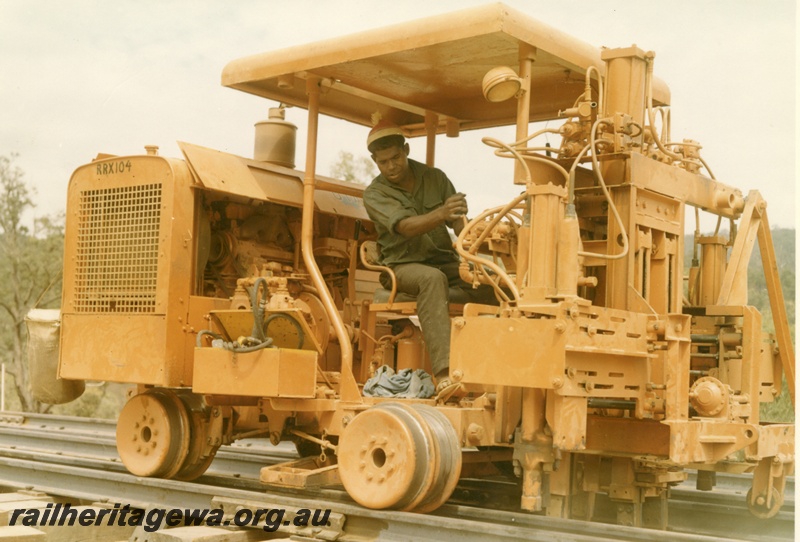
(412,205)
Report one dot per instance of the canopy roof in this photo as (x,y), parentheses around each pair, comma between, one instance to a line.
(432,65)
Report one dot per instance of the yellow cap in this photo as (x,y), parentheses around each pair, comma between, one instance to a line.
(383,129)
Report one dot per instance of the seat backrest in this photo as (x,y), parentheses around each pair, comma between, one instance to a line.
(370,255)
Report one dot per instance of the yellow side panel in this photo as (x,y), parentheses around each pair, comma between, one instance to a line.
(508,352)
(118,348)
(227,173)
(270,372)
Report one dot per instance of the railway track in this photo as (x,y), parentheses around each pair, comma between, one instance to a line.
(74,460)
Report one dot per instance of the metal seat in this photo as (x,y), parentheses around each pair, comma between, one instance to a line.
(387,299)
(371,256)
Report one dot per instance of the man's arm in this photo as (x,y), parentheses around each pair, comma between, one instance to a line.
(451,213)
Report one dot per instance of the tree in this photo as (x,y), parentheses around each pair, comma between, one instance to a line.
(30,263)
(359,170)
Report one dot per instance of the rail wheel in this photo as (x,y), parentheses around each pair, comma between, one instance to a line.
(764,508)
(153,434)
(405,457)
(449,463)
(199,456)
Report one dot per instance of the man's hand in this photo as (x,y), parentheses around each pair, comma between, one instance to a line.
(455,207)
(452,212)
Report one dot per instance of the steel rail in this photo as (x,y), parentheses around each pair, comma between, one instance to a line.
(47,427)
(229,463)
(237,468)
(348,522)
(692,512)
(53,423)
(712,517)
(240,466)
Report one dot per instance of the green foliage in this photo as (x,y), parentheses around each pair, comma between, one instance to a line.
(359,170)
(781,410)
(784,243)
(31,254)
(30,264)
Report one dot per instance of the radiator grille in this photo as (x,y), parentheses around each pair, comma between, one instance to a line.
(117,249)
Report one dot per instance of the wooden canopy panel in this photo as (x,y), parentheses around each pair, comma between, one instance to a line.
(433,65)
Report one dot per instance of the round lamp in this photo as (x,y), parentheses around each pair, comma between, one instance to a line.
(500,84)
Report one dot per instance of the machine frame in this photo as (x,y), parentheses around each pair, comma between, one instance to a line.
(603,370)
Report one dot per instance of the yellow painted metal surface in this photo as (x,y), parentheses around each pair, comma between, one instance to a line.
(414,57)
(128,251)
(110,339)
(270,372)
(231,174)
(600,359)
(531,353)
(304,473)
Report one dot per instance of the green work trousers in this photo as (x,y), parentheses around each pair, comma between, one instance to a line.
(434,286)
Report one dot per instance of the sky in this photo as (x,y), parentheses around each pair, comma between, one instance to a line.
(82,77)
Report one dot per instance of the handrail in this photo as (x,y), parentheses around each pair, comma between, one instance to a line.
(348,388)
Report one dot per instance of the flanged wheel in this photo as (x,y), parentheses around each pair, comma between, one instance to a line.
(762,509)
(199,457)
(153,434)
(449,459)
(405,457)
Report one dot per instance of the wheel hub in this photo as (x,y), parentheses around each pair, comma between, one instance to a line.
(405,457)
(153,434)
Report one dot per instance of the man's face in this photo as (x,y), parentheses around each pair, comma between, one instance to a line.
(393,163)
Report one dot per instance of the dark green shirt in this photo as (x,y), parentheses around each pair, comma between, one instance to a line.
(388,204)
